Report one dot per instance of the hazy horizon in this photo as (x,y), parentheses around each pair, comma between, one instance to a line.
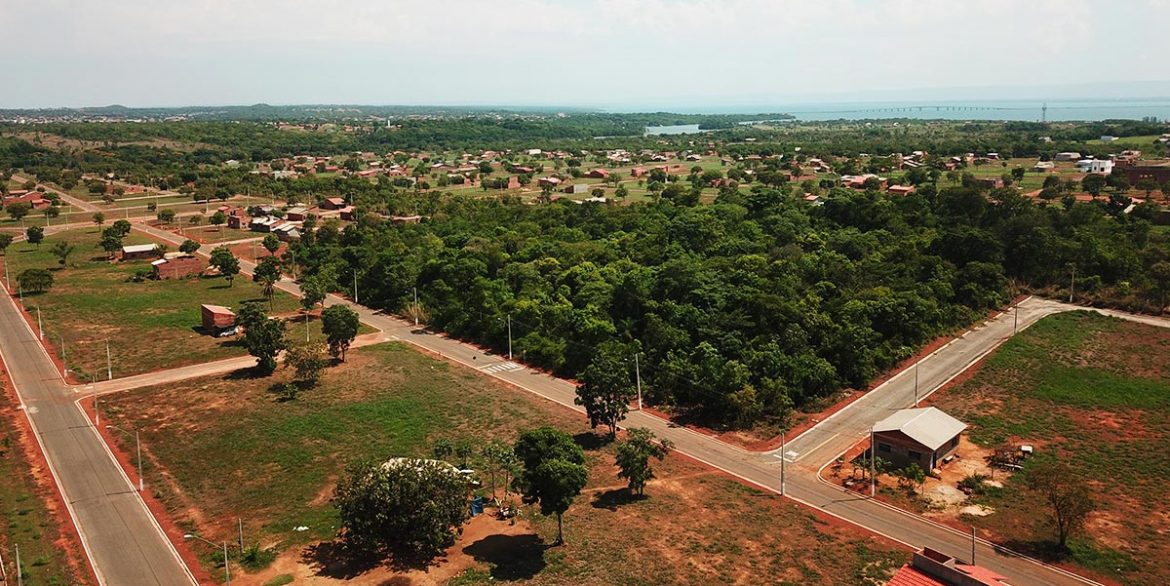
(616,55)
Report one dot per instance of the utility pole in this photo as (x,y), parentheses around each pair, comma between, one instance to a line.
(40,325)
(638,380)
(64,357)
(509,336)
(972,545)
(355,297)
(782,460)
(415,306)
(7,280)
(241,522)
(1016,314)
(872,465)
(138,448)
(109,362)
(97,414)
(1072,283)
(19,574)
(226,572)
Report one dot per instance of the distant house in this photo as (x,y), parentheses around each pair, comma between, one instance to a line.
(577,188)
(923,436)
(1066,157)
(34,199)
(1102,166)
(1108,138)
(405,219)
(599,174)
(332,203)
(217,319)
(513,182)
(638,172)
(296,214)
(552,182)
(1043,166)
(522,170)
(347,214)
(176,267)
(287,232)
(1159,173)
(932,568)
(139,251)
(900,189)
(263,224)
(989,182)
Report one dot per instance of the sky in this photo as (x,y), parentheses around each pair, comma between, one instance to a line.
(614,54)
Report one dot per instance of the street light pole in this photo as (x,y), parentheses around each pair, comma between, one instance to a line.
(355,297)
(415,306)
(509,336)
(1016,315)
(137,449)
(638,380)
(783,458)
(109,362)
(916,383)
(872,465)
(19,573)
(40,324)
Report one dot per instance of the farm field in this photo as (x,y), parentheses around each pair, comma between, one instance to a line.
(277,463)
(1094,392)
(151,325)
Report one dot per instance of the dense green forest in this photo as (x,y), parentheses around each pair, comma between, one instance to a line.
(745,309)
(739,311)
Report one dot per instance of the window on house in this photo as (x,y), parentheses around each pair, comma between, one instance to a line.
(914,455)
(883,447)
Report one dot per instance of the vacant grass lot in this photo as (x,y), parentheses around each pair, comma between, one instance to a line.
(24,519)
(1095,392)
(222,448)
(151,325)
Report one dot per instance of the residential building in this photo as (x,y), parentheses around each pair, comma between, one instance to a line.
(217,318)
(176,266)
(139,251)
(924,436)
(1102,166)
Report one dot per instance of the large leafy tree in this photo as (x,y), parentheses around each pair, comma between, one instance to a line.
(340,325)
(227,263)
(35,235)
(408,507)
(554,471)
(607,387)
(263,336)
(35,280)
(634,454)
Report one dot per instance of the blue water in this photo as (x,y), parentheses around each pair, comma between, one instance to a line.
(1028,110)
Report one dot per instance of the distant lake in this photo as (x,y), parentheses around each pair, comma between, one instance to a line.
(675,129)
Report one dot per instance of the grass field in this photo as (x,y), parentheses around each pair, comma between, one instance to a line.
(151,325)
(24,519)
(222,448)
(1095,392)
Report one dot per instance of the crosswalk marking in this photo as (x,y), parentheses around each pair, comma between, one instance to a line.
(501,367)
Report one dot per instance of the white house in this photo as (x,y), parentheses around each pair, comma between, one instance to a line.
(1102,166)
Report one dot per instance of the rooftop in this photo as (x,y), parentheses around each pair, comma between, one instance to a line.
(927,426)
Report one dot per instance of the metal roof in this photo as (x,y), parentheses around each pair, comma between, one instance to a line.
(927,426)
(138,248)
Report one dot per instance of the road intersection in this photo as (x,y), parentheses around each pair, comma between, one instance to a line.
(126,545)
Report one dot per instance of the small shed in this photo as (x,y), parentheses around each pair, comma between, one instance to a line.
(922,436)
(177,267)
(139,251)
(217,318)
(332,203)
(296,214)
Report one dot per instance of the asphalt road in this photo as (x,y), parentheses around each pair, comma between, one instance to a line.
(806,453)
(123,541)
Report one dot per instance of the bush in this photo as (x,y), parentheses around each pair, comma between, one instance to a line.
(256,558)
(973,484)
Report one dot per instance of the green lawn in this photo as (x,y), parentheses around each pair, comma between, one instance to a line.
(1095,392)
(221,448)
(1129,141)
(151,325)
(24,519)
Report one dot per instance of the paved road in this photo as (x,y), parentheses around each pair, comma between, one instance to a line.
(812,450)
(808,452)
(122,540)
